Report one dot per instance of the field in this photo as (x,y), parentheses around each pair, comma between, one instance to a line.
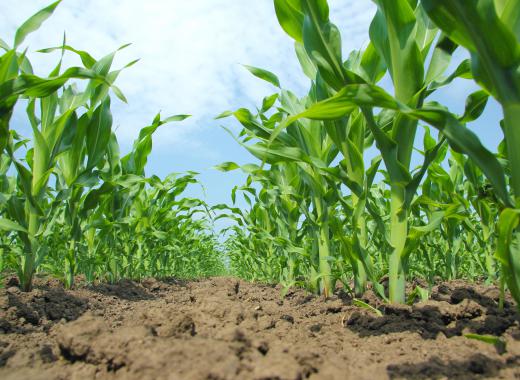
(377,235)
(224,328)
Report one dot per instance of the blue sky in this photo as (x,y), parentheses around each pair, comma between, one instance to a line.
(190,54)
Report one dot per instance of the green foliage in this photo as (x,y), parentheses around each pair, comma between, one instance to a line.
(316,212)
(73,205)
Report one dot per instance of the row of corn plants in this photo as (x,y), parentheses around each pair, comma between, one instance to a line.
(70,203)
(320,210)
(321,207)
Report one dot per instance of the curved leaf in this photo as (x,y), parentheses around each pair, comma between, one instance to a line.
(33,23)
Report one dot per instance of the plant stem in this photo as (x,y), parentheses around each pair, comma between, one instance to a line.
(398,234)
(326,286)
(360,273)
(31,249)
(72,264)
(512,135)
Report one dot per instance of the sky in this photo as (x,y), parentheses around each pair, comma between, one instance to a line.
(191,55)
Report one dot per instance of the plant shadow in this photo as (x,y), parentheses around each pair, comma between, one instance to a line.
(477,366)
(452,311)
(29,309)
(124,289)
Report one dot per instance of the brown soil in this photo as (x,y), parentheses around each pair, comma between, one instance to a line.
(223,328)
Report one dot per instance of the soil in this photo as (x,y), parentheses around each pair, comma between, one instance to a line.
(224,328)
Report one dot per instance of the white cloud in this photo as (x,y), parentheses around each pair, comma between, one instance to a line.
(189,51)
(353,20)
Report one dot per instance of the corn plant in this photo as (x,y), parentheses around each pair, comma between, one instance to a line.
(269,240)
(403,37)
(406,224)
(490,31)
(75,205)
(52,132)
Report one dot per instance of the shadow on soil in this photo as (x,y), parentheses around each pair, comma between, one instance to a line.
(53,305)
(129,290)
(477,366)
(125,289)
(451,311)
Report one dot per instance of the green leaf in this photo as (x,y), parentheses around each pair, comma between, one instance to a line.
(85,57)
(32,85)
(510,16)
(364,305)
(227,166)
(33,23)
(224,114)
(119,93)
(308,67)
(393,35)
(491,39)
(290,17)
(441,58)
(9,225)
(264,74)
(494,47)
(475,105)
(4,45)
(508,249)
(496,341)
(268,102)
(322,41)
(98,133)
(460,138)
(175,118)
(372,65)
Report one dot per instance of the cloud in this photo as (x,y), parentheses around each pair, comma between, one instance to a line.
(353,20)
(190,53)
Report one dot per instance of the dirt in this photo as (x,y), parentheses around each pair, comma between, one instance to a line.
(224,328)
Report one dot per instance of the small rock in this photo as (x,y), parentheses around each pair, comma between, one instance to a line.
(13,281)
(288,318)
(263,348)
(47,355)
(4,357)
